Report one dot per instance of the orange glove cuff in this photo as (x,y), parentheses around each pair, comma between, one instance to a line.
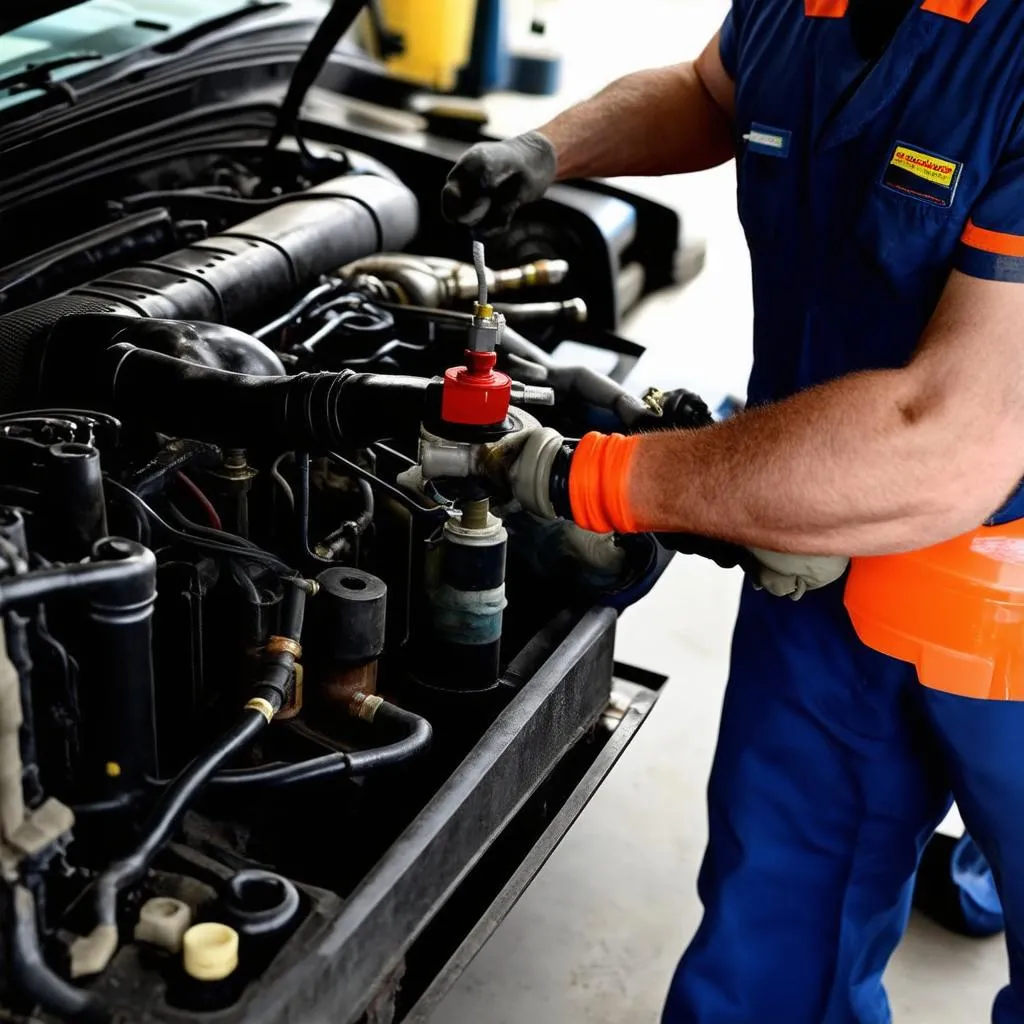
(599,484)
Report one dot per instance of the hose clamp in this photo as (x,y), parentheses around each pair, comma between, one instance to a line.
(263,706)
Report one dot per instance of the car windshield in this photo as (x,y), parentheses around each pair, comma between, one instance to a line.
(101,29)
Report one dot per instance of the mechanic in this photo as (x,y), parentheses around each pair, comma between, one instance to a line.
(880,151)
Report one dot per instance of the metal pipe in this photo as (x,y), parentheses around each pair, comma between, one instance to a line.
(569,311)
(436,282)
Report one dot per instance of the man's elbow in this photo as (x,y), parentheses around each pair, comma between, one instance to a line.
(966,455)
(974,477)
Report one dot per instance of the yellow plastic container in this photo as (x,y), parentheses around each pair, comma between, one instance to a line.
(438,35)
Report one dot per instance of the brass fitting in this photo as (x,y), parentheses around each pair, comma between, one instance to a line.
(284,645)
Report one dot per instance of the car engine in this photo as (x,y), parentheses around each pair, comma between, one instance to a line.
(262,590)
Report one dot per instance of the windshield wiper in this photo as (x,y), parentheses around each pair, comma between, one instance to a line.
(38,76)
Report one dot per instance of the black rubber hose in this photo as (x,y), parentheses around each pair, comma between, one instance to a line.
(168,812)
(241,277)
(32,974)
(279,665)
(335,24)
(16,630)
(416,741)
(308,410)
(150,233)
(127,575)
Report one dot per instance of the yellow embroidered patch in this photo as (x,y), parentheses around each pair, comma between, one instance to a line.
(923,165)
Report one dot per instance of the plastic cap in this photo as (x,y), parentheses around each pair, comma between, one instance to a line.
(955,611)
(210,951)
(163,922)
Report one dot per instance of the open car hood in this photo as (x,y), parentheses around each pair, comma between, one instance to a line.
(22,12)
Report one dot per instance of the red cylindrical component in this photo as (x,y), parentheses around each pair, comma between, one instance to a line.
(476,395)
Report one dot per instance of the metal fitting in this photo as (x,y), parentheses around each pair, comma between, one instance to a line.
(486,331)
(235,467)
(284,645)
(532,394)
(365,706)
(654,399)
(264,707)
(476,514)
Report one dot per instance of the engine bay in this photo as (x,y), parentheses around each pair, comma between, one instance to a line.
(270,615)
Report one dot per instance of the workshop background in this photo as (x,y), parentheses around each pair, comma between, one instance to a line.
(595,939)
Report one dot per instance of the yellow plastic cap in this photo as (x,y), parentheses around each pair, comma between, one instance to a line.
(210,951)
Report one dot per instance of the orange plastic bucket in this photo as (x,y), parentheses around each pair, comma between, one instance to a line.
(955,611)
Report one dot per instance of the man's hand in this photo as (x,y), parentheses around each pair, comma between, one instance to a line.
(793,575)
(524,463)
(493,179)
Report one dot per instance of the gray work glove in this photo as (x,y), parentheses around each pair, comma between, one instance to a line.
(793,575)
(493,179)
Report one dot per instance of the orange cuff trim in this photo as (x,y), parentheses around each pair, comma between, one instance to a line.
(826,8)
(996,242)
(599,484)
(959,10)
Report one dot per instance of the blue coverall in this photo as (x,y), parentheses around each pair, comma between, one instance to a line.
(861,188)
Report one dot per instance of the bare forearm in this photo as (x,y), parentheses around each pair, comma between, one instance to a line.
(865,465)
(662,121)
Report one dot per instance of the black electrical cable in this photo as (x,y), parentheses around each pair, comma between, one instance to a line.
(33,975)
(238,547)
(335,24)
(337,765)
(303,459)
(245,581)
(352,528)
(293,314)
(191,526)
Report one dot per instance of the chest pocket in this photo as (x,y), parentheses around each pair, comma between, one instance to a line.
(909,242)
(767,195)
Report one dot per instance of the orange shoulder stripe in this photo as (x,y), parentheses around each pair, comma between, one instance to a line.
(961,10)
(826,8)
(996,242)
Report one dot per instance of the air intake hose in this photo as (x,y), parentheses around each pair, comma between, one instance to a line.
(164,375)
(239,278)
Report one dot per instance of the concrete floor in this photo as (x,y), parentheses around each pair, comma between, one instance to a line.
(595,939)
